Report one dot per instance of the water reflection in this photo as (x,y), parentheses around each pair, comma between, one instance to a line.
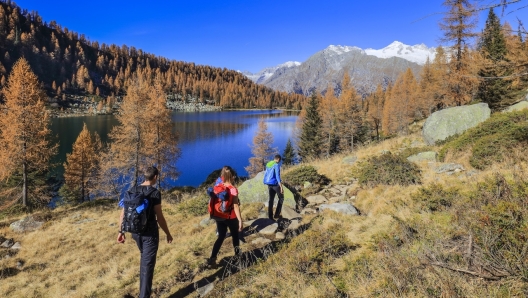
(208,140)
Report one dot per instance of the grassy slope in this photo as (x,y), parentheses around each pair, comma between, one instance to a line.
(385,252)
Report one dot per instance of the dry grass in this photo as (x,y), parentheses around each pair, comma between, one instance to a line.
(384,252)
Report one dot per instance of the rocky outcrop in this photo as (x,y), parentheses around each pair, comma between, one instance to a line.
(340,208)
(423,156)
(26,225)
(253,190)
(517,107)
(452,121)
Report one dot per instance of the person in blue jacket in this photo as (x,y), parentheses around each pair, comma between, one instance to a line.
(272,178)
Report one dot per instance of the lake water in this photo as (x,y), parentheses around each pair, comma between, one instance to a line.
(208,140)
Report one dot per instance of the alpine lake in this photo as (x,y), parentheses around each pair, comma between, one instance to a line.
(207,140)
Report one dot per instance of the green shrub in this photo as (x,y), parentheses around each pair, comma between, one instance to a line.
(490,140)
(435,197)
(194,206)
(299,175)
(388,169)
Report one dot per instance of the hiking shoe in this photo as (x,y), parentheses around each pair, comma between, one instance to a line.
(210,263)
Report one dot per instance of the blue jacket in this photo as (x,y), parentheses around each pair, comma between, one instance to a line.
(272,175)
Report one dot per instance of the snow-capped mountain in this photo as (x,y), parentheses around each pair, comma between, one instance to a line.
(417,53)
(262,76)
(367,68)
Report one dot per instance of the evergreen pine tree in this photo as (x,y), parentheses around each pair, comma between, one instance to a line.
(492,47)
(288,157)
(310,142)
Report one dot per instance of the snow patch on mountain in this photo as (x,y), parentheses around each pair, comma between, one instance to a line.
(262,76)
(417,53)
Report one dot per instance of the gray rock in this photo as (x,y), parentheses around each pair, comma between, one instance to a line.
(16,246)
(269,230)
(307,184)
(294,225)
(205,222)
(253,190)
(289,213)
(517,107)
(112,224)
(7,244)
(26,225)
(203,291)
(350,160)
(261,241)
(317,199)
(280,236)
(449,167)
(337,199)
(308,211)
(340,207)
(452,121)
(423,156)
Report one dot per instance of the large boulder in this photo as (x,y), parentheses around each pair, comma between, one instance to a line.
(517,107)
(253,190)
(27,224)
(452,121)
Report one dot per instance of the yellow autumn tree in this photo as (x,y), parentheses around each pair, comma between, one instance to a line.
(25,137)
(400,109)
(329,116)
(82,167)
(261,149)
(349,114)
(375,102)
(163,146)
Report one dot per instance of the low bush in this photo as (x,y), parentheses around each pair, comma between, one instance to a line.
(298,176)
(490,140)
(387,169)
(194,206)
(435,197)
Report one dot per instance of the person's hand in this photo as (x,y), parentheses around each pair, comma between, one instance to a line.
(169,238)
(282,190)
(240,226)
(121,238)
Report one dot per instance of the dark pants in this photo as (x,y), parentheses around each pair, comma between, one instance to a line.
(148,244)
(222,227)
(274,189)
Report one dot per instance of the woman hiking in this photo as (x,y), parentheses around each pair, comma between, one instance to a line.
(233,222)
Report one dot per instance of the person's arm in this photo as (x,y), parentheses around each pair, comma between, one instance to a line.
(162,223)
(278,177)
(121,235)
(236,207)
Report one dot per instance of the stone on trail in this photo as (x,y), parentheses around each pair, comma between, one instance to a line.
(452,121)
(289,213)
(269,230)
(203,291)
(317,199)
(261,241)
(280,236)
(294,225)
(253,190)
(449,168)
(340,207)
(27,224)
(7,244)
(16,246)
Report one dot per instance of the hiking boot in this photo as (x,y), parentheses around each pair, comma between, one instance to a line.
(210,263)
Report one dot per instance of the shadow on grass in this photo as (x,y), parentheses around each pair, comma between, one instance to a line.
(231,265)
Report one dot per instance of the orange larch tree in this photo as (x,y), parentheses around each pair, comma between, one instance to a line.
(25,137)
(349,114)
(261,149)
(82,167)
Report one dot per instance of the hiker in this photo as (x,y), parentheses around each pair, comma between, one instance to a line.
(148,240)
(233,220)
(273,180)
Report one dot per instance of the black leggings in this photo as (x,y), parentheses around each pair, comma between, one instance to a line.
(221,227)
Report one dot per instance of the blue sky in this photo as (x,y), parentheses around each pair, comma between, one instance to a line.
(250,34)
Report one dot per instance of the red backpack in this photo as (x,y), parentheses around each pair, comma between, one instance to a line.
(220,201)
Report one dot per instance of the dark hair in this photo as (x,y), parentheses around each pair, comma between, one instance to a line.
(278,157)
(150,173)
(227,174)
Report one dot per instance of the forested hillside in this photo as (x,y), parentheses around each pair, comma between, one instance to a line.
(67,63)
